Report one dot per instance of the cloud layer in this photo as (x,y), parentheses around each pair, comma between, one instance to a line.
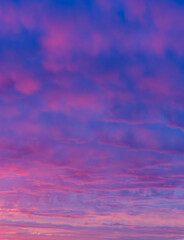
(92,119)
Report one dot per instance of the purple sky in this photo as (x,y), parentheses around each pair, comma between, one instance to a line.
(92,120)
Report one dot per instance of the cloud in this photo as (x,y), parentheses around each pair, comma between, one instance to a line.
(91,120)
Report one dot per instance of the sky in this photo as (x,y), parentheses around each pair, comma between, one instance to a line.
(92,120)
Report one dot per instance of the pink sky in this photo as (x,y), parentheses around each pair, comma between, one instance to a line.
(92,120)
